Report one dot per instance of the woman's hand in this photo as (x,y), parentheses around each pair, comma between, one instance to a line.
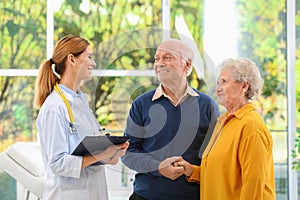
(168,169)
(188,168)
(110,155)
(113,153)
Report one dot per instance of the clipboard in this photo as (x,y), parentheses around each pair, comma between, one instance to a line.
(93,144)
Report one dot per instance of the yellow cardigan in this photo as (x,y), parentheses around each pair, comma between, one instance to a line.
(238,161)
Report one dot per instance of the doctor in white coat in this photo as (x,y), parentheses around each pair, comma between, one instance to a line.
(64,119)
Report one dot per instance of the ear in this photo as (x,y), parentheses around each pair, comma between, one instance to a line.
(188,65)
(189,62)
(246,86)
(71,59)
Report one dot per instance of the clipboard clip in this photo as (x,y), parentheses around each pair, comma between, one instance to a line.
(102,132)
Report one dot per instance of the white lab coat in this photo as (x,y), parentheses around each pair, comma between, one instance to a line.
(65,178)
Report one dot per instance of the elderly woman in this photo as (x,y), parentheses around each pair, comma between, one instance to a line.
(237,162)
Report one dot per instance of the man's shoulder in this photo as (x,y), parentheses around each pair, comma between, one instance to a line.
(146,96)
(203,95)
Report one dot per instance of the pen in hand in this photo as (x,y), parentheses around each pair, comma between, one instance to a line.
(113,156)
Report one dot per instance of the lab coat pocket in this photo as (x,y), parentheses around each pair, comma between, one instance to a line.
(74,188)
(75,194)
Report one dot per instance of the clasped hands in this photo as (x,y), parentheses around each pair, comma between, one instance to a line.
(174,167)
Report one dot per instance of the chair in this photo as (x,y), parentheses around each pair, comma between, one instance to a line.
(23,161)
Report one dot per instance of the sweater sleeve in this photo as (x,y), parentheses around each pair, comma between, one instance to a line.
(254,158)
(136,158)
(195,177)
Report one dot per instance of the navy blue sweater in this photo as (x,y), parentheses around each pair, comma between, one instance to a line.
(159,130)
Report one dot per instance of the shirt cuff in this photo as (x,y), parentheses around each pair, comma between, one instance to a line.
(195,176)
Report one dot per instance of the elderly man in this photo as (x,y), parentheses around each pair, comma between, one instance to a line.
(167,124)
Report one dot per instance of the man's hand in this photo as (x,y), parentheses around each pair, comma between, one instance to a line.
(167,168)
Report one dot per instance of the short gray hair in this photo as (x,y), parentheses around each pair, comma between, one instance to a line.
(181,48)
(243,70)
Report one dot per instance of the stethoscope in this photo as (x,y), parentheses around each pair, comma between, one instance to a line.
(72,127)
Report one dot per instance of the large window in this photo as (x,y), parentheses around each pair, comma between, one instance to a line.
(124,37)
